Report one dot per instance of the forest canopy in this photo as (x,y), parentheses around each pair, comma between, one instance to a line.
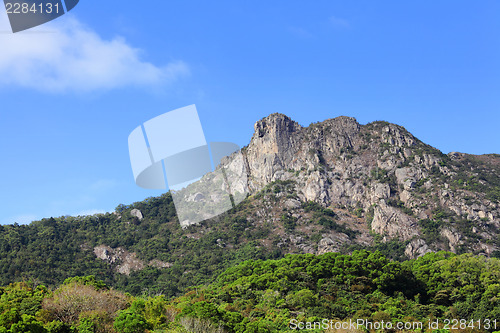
(266,295)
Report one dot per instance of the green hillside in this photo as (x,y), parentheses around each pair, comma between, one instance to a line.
(53,249)
(276,295)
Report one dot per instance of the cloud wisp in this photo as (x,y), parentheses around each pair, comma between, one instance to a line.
(319,30)
(339,22)
(301,33)
(69,57)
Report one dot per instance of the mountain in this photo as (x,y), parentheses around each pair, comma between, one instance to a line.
(334,186)
(378,178)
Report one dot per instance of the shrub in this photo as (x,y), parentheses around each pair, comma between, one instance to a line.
(71,300)
(129,321)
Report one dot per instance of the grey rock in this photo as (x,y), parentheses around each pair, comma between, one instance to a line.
(123,261)
(453,237)
(417,248)
(292,204)
(137,213)
(390,221)
(333,164)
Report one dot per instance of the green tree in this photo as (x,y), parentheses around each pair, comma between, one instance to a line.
(130,322)
(28,324)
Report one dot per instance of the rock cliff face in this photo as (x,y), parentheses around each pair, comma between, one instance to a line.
(379,174)
(123,261)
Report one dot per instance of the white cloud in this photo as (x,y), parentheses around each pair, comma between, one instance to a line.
(67,56)
(339,22)
(90,212)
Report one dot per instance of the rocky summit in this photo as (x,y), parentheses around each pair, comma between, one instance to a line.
(377,180)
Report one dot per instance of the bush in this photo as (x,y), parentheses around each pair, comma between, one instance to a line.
(28,324)
(130,322)
(58,327)
(89,280)
(289,222)
(71,300)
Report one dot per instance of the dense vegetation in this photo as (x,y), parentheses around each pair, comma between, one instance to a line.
(53,249)
(265,295)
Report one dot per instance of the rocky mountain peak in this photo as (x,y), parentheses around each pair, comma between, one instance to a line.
(275,133)
(276,123)
(402,188)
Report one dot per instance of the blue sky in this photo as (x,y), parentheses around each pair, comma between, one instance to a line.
(72,90)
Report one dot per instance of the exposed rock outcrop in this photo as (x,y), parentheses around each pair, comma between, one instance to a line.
(378,178)
(378,169)
(136,213)
(123,261)
(417,248)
